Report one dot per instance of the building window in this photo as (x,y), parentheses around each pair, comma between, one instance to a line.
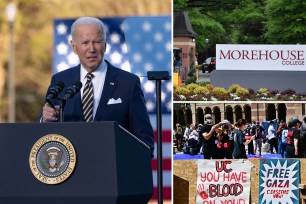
(270,112)
(282,111)
(229,114)
(200,116)
(248,113)
(174,118)
(208,110)
(238,112)
(217,115)
(180,118)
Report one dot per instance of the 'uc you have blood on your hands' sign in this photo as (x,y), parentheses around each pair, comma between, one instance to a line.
(261,57)
(223,182)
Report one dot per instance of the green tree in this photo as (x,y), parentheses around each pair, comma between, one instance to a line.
(227,21)
(192,69)
(285,21)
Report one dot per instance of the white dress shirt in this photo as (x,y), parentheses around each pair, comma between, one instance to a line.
(97,83)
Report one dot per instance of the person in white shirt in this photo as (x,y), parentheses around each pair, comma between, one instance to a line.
(194,134)
(272,138)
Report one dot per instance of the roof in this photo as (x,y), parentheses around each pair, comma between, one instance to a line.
(182,25)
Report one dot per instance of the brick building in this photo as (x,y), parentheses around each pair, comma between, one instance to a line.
(187,113)
(183,40)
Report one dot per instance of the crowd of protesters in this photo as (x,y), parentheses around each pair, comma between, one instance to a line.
(226,141)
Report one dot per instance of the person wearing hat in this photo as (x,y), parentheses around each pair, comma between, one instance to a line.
(223,140)
(293,149)
(272,137)
(207,138)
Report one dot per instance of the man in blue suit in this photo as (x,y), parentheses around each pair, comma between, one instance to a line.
(109,94)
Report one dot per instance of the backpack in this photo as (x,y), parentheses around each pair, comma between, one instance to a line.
(284,135)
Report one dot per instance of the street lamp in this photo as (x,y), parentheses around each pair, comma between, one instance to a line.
(10,12)
(206,41)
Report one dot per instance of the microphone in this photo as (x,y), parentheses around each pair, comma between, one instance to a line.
(54,91)
(72,90)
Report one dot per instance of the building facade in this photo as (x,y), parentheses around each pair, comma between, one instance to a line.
(183,40)
(187,113)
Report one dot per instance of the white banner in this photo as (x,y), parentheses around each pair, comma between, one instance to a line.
(223,182)
(261,57)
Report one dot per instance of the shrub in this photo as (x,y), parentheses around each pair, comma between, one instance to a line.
(191,87)
(251,91)
(288,92)
(182,90)
(201,90)
(241,91)
(191,80)
(262,91)
(204,83)
(233,88)
(274,92)
(218,91)
(210,87)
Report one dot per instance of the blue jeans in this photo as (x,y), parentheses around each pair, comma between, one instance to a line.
(283,149)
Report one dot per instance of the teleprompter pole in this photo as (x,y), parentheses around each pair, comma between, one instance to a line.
(158,76)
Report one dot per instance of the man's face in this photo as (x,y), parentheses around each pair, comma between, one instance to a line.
(89,46)
(208,120)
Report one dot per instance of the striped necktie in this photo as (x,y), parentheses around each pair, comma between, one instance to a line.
(88,99)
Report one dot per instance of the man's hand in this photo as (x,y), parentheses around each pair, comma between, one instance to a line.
(50,114)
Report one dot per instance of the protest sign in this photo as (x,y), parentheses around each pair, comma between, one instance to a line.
(223,182)
(279,181)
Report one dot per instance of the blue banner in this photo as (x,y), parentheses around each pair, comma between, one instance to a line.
(279,181)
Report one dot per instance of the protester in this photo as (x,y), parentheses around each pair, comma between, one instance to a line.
(240,141)
(223,140)
(293,139)
(187,132)
(208,138)
(179,137)
(192,145)
(272,137)
(259,133)
(247,132)
(282,133)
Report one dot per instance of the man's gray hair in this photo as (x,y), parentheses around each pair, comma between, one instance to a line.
(88,20)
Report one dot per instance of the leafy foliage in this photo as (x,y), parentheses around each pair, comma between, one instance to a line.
(245,22)
(234,93)
(285,22)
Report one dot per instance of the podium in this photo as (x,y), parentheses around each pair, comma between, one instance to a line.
(112,165)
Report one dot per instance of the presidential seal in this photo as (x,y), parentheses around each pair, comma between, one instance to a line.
(52,159)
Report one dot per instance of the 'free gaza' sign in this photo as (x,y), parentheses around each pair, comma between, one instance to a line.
(261,57)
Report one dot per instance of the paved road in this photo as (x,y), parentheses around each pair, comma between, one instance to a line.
(203,77)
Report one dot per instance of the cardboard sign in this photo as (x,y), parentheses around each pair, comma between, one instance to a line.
(279,181)
(223,182)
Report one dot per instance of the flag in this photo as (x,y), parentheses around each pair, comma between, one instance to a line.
(137,45)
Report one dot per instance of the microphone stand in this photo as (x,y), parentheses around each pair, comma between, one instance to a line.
(61,110)
(158,76)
